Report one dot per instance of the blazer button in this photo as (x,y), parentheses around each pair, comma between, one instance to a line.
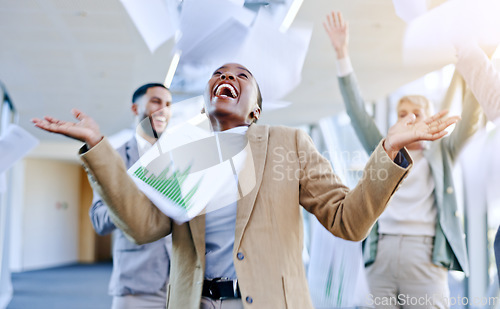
(449,190)
(240,257)
(249,299)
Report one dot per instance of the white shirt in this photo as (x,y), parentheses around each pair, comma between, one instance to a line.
(220,226)
(344,67)
(411,211)
(142,144)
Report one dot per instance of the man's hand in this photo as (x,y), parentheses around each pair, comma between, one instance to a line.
(85,130)
(338,32)
(407,131)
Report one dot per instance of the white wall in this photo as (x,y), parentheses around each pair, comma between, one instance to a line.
(46,218)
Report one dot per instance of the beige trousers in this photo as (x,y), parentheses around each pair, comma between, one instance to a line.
(403,275)
(208,303)
(146,301)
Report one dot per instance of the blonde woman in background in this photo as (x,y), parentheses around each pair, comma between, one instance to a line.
(419,237)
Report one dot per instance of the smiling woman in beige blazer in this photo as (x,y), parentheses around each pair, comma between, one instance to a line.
(289,171)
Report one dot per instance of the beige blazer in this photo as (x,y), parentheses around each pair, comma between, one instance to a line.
(269,233)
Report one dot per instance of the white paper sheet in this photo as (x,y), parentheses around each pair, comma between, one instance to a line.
(492,179)
(408,10)
(3,183)
(274,58)
(200,19)
(481,170)
(213,48)
(431,38)
(15,144)
(156,20)
(219,32)
(185,110)
(191,170)
(336,274)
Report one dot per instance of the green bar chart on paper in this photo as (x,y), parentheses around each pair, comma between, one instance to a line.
(169,186)
(191,170)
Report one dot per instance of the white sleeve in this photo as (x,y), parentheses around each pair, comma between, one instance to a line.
(344,67)
(482,77)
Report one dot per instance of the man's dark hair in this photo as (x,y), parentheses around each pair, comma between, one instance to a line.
(142,90)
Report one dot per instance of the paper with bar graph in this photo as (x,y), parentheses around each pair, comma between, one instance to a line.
(191,170)
(336,274)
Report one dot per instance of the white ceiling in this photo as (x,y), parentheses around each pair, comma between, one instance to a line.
(59,54)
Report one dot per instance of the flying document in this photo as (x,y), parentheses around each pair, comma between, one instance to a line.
(192,170)
(15,143)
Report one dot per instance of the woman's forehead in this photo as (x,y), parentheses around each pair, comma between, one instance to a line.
(410,105)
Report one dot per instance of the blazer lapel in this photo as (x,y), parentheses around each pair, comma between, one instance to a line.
(437,171)
(132,152)
(197,226)
(258,140)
